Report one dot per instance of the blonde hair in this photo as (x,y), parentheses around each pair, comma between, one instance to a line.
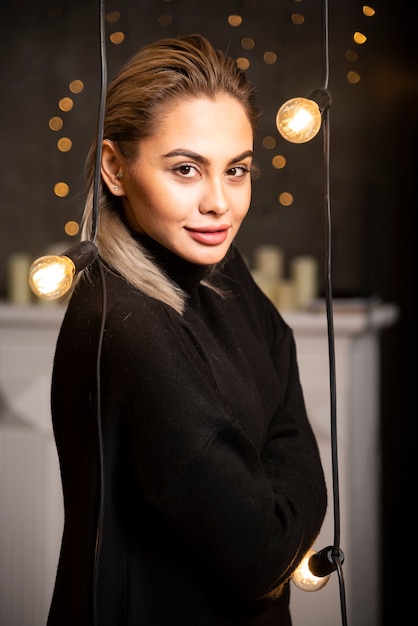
(172,68)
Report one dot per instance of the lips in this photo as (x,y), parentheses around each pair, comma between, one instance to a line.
(210,235)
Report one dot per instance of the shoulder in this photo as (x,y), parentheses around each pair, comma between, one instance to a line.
(126,309)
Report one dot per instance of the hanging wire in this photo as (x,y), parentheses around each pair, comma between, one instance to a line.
(336,552)
(325,47)
(100,123)
(96,190)
(99,530)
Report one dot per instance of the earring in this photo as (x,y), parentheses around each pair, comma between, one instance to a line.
(116,188)
(119,175)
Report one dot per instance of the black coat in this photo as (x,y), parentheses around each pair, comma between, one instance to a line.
(212,483)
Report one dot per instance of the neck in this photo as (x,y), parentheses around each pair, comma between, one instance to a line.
(187,275)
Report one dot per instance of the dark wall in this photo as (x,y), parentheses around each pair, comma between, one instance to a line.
(45,45)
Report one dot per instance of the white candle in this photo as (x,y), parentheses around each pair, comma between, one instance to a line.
(285,299)
(266,284)
(18,287)
(269,261)
(304,273)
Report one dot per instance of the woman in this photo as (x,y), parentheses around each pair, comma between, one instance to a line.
(206,487)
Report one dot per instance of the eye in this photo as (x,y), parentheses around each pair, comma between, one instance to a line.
(185,170)
(238,171)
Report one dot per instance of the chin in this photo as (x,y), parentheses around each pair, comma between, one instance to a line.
(211,257)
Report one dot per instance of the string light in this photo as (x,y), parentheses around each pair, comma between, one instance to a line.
(313,572)
(305,579)
(299,119)
(51,276)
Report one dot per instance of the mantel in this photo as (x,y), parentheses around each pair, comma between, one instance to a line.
(34,316)
(356,322)
(346,323)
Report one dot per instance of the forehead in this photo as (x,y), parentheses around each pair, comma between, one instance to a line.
(198,120)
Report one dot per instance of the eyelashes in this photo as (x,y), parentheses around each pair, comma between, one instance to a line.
(189,170)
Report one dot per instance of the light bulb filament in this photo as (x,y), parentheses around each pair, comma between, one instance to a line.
(302,119)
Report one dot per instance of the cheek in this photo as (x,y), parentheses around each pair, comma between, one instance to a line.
(243,204)
(145,202)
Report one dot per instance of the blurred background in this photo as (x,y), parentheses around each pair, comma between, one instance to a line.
(50,80)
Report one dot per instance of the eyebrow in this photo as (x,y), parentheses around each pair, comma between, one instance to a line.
(201,159)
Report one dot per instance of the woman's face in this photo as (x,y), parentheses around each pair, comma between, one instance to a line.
(190,187)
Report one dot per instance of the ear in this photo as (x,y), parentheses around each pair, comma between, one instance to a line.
(111,168)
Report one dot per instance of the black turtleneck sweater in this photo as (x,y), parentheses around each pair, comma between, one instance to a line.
(212,486)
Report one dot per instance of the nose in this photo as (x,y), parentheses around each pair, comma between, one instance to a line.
(214,198)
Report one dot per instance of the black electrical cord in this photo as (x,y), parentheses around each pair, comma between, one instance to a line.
(100,514)
(100,122)
(95,215)
(335,553)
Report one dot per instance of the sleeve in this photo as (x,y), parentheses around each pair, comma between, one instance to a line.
(290,456)
(244,514)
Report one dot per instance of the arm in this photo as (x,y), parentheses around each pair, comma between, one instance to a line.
(239,511)
(291,456)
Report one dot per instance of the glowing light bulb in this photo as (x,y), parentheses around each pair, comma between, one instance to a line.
(51,277)
(305,579)
(299,119)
